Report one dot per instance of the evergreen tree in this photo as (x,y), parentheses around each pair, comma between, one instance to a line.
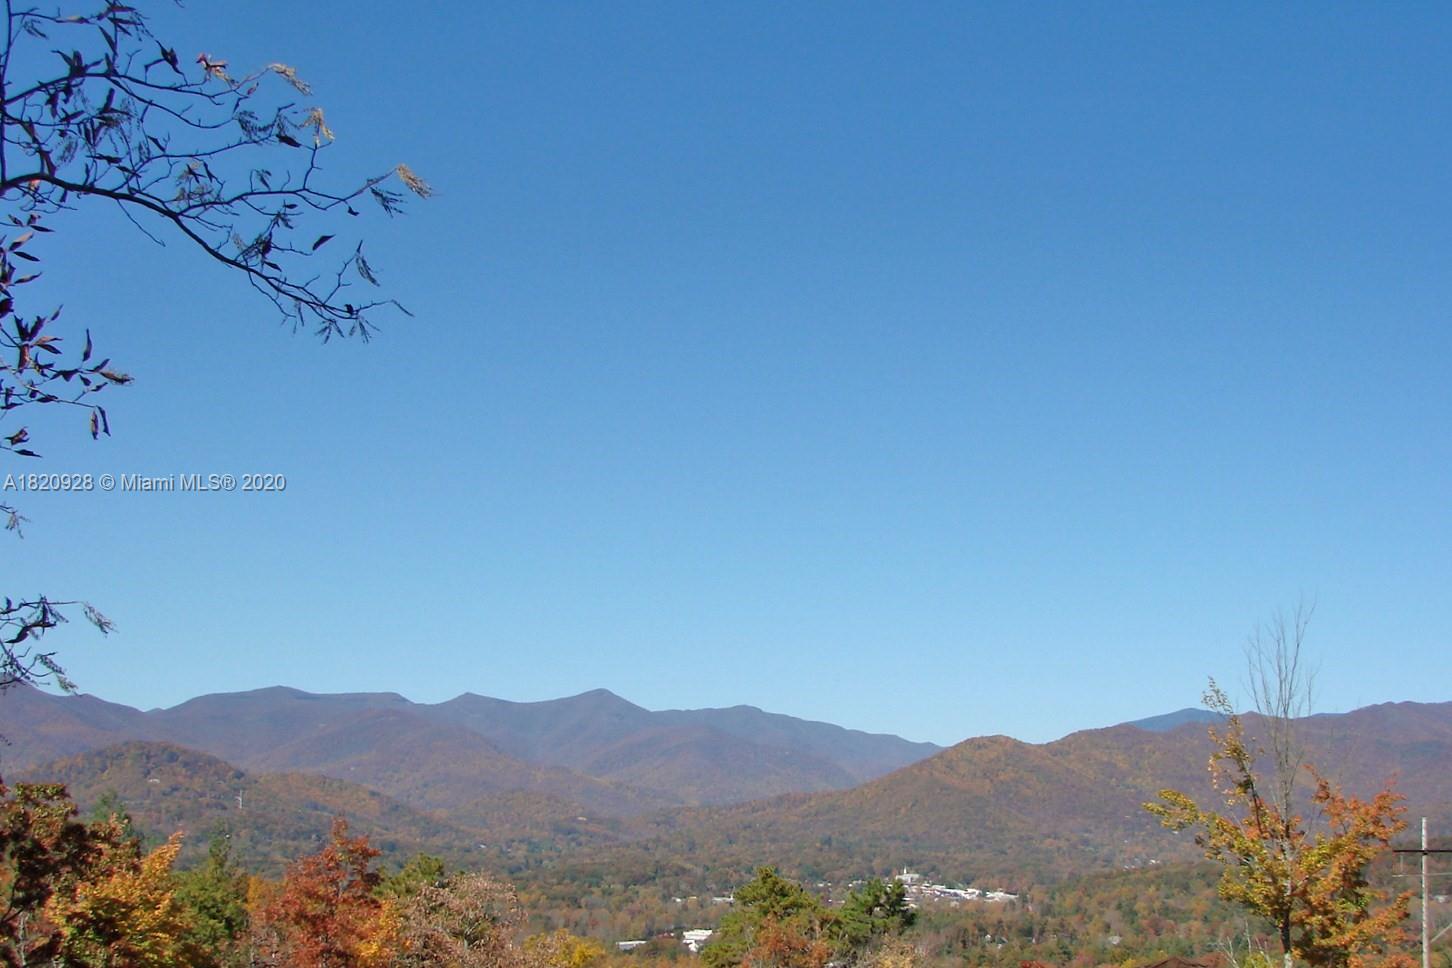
(774,919)
(870,913)
(215,894)
(422,870)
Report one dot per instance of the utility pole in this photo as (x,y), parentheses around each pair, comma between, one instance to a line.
(1426,928)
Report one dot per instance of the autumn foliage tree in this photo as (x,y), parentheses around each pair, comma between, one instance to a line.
(42,848)
(464,921)
(86,895)
(325,913)
(1308,879)
(77,894)
(124,913)
(786,944)
(561,949)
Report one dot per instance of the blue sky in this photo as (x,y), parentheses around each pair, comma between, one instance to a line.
(936,369)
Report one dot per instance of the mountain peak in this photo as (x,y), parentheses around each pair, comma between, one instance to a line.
(595,745)
(1168,721)
(282,693)
(602,697)
(595,698)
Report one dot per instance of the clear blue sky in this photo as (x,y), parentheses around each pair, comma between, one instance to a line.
(936,369)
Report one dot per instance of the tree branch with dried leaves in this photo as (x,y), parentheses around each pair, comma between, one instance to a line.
(107,112)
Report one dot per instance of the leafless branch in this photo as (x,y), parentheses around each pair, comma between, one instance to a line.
(228,162)
(1282,688)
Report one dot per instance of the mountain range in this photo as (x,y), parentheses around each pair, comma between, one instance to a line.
(1022,813)
(594,783)
(595,750)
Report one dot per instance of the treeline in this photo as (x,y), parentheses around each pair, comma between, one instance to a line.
(87,894)
(1124,918)
(1120,918)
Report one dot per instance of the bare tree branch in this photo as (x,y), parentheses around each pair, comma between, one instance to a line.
(229,163)
(1282,689)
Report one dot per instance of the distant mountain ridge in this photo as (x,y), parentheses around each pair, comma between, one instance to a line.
(989,807)
(1021,812)
(596,750)
(1165,722)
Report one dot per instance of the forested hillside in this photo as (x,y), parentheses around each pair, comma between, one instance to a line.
(595,750)
(992,807)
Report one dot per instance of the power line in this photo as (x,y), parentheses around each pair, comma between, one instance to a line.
(1424,850)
